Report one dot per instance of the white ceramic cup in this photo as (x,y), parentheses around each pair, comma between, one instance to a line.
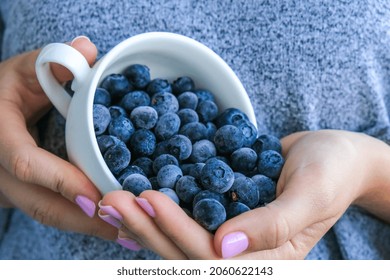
(167,55)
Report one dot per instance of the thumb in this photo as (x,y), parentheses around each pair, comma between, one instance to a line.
(288,217)
(84,45)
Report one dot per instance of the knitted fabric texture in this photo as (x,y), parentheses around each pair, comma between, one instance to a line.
(306,65)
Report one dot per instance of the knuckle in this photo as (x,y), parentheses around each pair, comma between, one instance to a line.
(20,164)
(96,231)
(278,231)
(58,183)
(44,215)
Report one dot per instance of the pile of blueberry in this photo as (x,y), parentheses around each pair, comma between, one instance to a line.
(171,137)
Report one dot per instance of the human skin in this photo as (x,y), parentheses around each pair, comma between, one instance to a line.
(325,172)
(39,183)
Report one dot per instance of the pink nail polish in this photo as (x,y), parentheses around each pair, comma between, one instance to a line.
(129,243)
(146,206)
(233,244)
(107,209)
(110,220)
(87,205)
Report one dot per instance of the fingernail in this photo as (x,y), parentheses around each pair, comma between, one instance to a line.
(233,244)
(107,209)
(109,219)
(146,206)
(80,37)
(129,243)
(87,205)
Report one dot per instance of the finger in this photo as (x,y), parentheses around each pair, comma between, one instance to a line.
(296,248)
(138,225)
(23,159)
(289,140)
(4,202)
(188,235)
(273,225)
(84,45)
(52,209)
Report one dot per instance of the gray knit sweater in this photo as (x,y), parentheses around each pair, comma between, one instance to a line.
(306,65)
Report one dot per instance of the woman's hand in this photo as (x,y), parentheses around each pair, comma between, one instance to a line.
(324,173)
(47,188)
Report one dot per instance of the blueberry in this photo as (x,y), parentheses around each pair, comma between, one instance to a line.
(117,158)
(207,111)
(171,194)
(228,138)
(267,142)
(136,184)
(238,175)
(187,188)
(204,95)
(122,128)
(158,85)
(154,183)
(162,160)
(267,188)
(101,118)
(235,208)
(168,175)
(209,213)
(270,164)
(102,96)
(195,131)
(217,176)
(186,168)
(161,148)
(182,84)
(243,160)
(224,159)
(221,197)
(187,115)
(179,146)
(249,132)
(230,116)
(188,100)
(138,75)
(196,170)
(211,128)
(245,190)
(144,117)
(135,99)
(117,111)
(130,169)
(106,141)
(117,85)
(164,102)
(146,164)
(202,150)
(167,126)
(143,142)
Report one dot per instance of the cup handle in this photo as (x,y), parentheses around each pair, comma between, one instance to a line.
(71,59)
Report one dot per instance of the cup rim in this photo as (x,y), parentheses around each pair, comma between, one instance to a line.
(149,39)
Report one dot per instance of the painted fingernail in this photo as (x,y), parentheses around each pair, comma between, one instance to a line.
(87,205)
(80,37)
(233,244)
(107,209)
(129,243)
(110,219)
(146,206)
